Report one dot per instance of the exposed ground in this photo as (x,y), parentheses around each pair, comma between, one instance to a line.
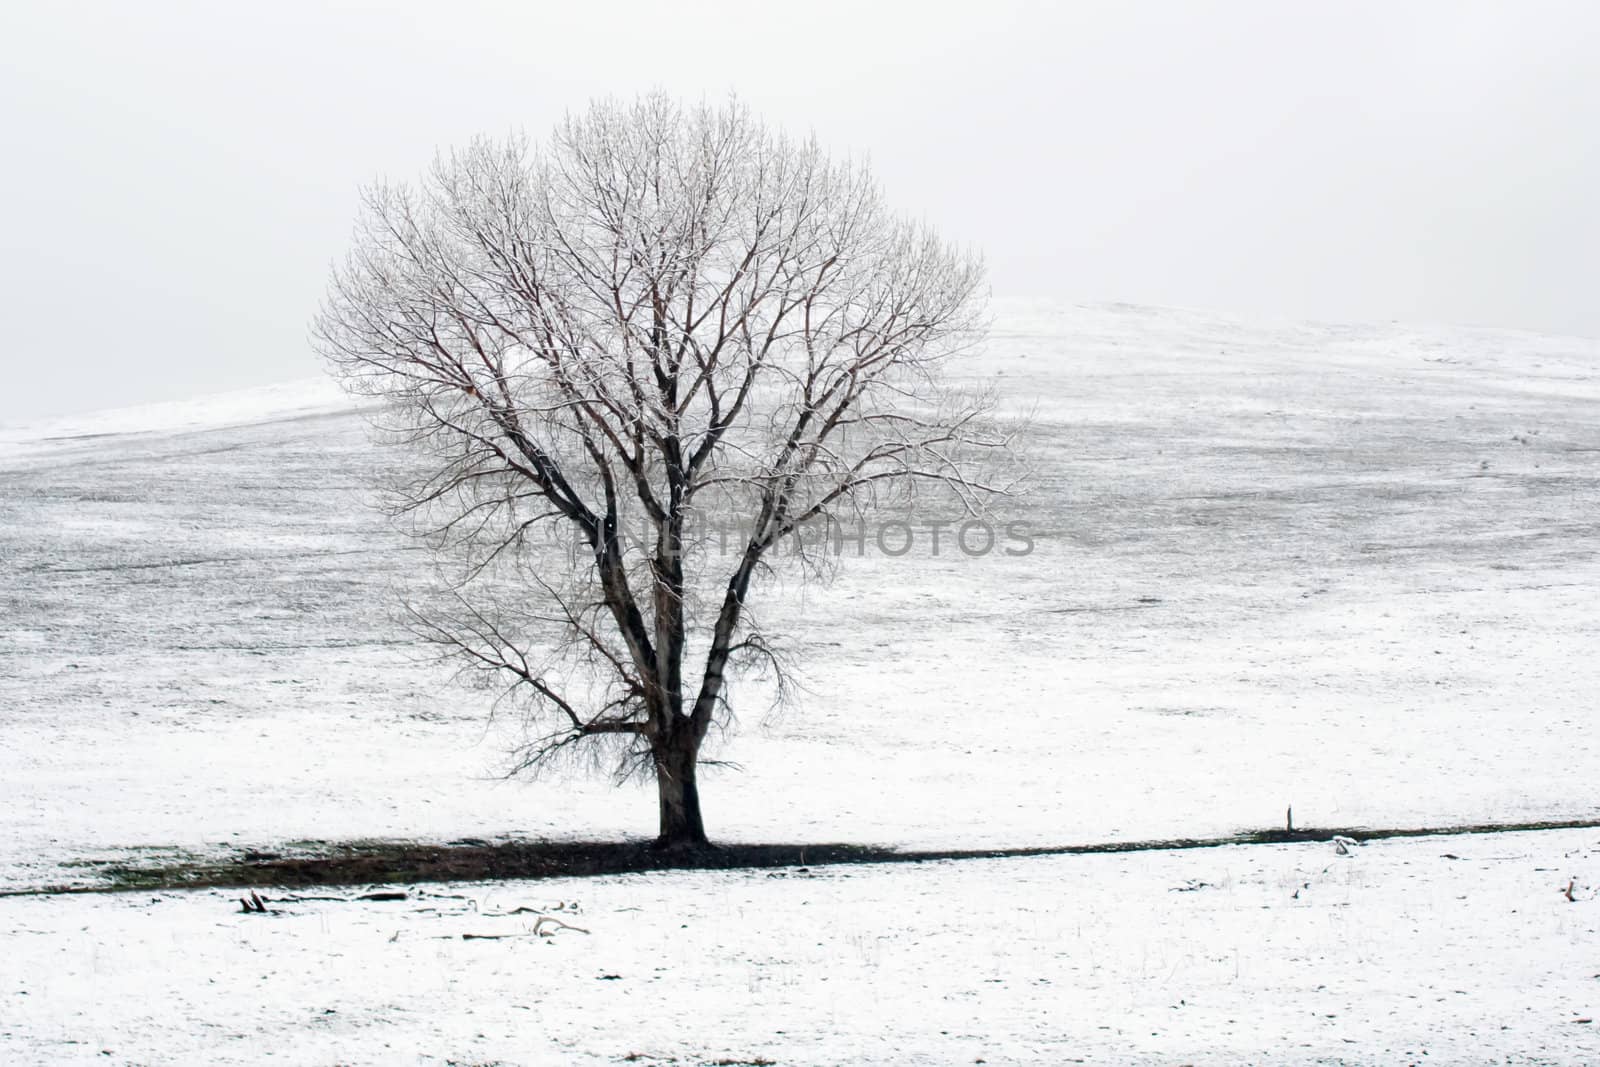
(1348,569)
(395,863)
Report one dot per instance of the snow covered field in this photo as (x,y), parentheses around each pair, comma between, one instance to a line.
(1348,569)
(1445,950)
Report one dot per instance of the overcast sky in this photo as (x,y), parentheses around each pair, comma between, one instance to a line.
(178,177)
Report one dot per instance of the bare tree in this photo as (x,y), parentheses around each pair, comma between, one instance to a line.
(665,324)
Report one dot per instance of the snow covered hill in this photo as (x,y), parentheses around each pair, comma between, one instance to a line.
(1350,569)
(1347,569)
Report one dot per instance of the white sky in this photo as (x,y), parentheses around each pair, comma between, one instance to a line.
(178,177)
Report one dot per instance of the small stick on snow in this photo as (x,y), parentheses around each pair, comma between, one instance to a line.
(538,927)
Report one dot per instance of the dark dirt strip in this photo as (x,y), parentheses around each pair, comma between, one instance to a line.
(469,860)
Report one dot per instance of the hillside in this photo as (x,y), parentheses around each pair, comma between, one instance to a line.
(1348,569)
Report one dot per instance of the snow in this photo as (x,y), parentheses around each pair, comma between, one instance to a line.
(1349,569)
(1444,950)
(285,400)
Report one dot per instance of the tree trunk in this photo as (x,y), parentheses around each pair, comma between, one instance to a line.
(681,826)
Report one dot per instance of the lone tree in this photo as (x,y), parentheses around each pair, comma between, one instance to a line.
(607,352)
